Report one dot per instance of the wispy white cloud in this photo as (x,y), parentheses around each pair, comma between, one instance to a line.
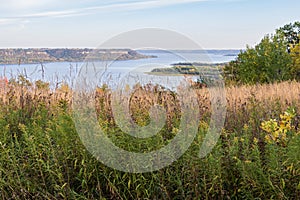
(13,24)
(106,6)
(7,21)
(21,4)
(138,5)
(65,13)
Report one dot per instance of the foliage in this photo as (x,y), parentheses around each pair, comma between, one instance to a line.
(42,157)
(291,33)
(275,58)
(277,131)
(295,54)
(267,62)
(41,85)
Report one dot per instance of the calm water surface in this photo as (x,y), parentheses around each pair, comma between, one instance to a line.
(67,72)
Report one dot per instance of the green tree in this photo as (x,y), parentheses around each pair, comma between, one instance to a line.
(291,34)
(295,54)
(265,63)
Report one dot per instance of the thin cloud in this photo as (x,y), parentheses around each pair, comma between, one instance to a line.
(7,21)
(141,5)
(24,4)
(51,14)
(114,6)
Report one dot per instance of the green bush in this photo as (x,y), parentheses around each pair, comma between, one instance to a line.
(267,62)
(274,59)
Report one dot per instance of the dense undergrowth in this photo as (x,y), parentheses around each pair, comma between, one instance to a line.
(42,157)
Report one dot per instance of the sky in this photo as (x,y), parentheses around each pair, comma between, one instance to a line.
(212,24)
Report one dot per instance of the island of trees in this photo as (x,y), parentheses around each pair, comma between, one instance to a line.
(193,68)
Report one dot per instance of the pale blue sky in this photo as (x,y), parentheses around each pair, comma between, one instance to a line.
(213,24)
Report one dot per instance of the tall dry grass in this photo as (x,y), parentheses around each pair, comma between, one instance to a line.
(239,98)
(285,92)
(42,157)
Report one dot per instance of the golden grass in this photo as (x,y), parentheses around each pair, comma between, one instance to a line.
(142,98)
(285,92)
(29,97)
(240,100)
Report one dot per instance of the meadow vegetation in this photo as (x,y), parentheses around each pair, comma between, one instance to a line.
(257,155)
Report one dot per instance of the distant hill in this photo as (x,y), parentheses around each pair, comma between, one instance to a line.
(43,55)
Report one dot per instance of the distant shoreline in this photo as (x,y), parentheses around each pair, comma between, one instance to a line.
(18,56)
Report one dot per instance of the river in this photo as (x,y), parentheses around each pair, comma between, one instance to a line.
(67,72)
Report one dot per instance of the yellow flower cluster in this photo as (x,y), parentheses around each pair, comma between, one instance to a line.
(277,130)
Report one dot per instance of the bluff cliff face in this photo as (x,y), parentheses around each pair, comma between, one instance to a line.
(34,55)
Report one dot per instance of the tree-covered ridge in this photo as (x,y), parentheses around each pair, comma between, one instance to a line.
(36,55)
(275,58)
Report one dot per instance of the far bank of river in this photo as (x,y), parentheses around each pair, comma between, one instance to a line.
(47,55)
(57,72)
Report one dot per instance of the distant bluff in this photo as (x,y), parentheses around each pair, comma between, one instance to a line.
(43,55)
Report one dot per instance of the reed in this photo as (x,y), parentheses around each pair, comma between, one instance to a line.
(42,156)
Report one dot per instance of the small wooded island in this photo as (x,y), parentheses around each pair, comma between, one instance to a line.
(189,69)
(44,55)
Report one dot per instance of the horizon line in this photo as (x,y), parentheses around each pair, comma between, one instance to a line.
(169,49)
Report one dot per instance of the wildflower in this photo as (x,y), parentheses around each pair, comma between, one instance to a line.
(203,124)
(269,126)
(268,138)
(277,131)
(255,140)
(235,139)
(246,127)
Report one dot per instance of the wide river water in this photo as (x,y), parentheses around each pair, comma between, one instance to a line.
(67,72)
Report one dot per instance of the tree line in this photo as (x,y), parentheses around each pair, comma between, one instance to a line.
(275,58)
